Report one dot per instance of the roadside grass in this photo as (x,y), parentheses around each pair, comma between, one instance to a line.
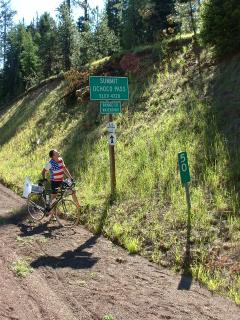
(108,317)
(132,245)
(80,283)
(28,240)
(168,112)
(21,268)
(93,275)
(25,240)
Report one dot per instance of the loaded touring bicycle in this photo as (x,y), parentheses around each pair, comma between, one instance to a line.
(62,209)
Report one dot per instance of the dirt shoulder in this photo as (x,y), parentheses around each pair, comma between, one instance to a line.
(78,275)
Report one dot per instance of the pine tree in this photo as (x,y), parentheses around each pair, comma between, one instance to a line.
(29,60)
(145,20)
(158,17)
(192,6)
(181,17)
(114,12)
(65,34)
(12,75)
(83,22)
(21,68)
(47,43)
(221,25)
(133,31)
(68,38)
(84,5)
(87,46)
(161,10)
(105,39)
(6,23)
(88,39)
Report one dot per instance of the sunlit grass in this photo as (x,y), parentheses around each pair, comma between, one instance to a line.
(132,245)
(21,268)
(97,63)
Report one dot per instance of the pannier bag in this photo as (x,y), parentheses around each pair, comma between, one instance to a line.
(27,187)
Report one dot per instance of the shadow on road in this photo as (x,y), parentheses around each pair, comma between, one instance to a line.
(186,278)
(44,229)
(76,259)
(15,217)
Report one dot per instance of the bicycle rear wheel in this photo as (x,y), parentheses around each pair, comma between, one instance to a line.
(36,206)
(67,213)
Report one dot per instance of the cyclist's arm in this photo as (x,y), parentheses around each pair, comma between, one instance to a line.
(44,173)
(45,170)
(67,173)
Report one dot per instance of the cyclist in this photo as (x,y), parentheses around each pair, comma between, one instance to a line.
(57,169)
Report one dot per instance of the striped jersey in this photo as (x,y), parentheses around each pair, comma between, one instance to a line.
(56,169)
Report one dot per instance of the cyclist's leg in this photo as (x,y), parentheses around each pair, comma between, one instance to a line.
(54,186)
(75,199)
(53,211)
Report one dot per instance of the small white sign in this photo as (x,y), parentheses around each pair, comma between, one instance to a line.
(112,139)
(112,127)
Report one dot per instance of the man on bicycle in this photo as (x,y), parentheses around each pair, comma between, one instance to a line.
(57,169)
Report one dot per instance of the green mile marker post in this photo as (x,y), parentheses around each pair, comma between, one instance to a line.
(185,175)
(185,179)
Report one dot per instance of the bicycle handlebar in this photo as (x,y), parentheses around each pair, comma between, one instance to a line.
(42,181)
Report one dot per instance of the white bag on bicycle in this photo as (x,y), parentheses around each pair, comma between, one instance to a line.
(27,187)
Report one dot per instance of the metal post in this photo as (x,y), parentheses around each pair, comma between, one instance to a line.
(186,186)
(112,165)
(186,279)
(187,259)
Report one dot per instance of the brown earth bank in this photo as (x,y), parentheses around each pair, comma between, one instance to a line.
(78,275)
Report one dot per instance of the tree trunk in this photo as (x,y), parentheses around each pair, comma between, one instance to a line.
(85,7)
(4,38)
(192,18)
(69,4)
(196,47)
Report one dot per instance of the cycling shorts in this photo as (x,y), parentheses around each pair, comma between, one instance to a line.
(55,185)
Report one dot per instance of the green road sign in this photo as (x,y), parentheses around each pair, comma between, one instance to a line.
(110,107)
(108,88)
(184,168)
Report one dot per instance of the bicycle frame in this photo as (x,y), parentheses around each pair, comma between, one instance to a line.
(60,196)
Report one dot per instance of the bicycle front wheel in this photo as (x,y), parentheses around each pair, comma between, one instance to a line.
(67,213)
(36,206)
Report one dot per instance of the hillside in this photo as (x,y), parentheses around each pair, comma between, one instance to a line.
(170,109)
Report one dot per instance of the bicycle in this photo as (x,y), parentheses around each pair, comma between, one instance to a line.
(65,210)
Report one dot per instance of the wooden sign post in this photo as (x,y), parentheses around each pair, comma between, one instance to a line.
(110,91)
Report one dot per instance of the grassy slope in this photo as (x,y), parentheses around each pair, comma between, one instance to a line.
(167,113)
